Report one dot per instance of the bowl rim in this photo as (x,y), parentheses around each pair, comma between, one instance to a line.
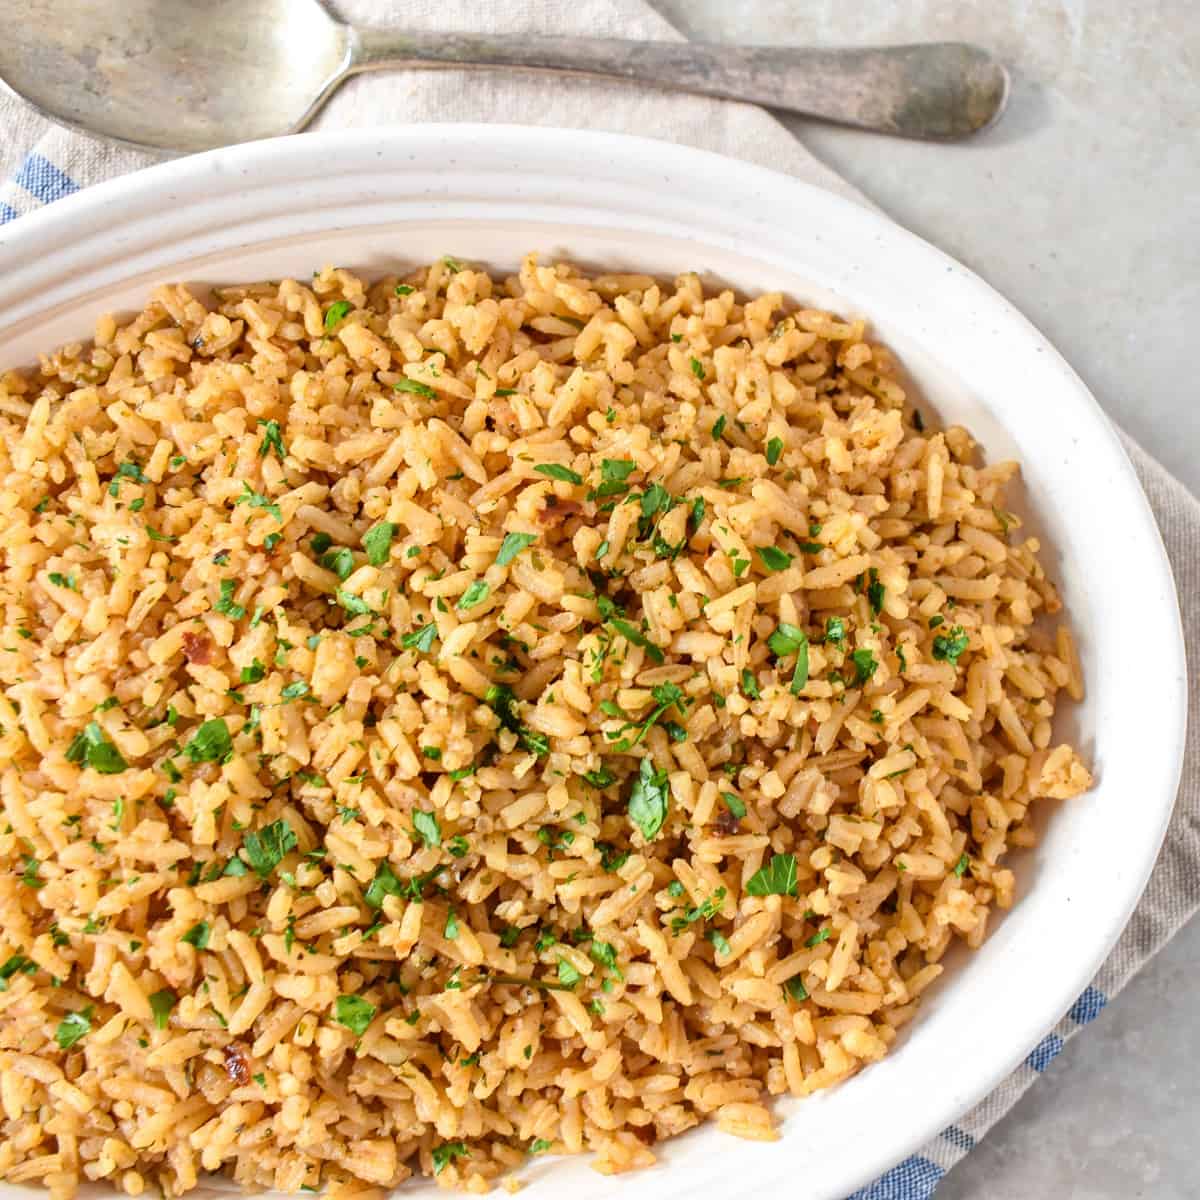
(109,232)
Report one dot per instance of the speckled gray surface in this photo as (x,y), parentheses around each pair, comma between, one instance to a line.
(1083,207)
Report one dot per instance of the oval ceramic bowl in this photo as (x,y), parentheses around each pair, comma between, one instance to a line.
(388,199)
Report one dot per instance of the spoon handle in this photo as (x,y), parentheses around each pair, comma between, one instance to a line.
(940,90)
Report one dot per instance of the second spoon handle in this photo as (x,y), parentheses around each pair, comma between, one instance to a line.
(937,90)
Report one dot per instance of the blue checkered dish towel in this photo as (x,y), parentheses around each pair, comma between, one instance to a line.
(42,163)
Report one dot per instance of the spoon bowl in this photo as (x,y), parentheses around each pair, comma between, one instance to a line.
(172,76)
(175,76)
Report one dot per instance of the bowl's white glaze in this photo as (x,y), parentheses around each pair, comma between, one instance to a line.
(391,198)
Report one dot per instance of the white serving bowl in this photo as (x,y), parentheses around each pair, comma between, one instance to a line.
(388,199)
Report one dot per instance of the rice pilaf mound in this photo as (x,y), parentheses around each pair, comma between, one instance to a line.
(448,720)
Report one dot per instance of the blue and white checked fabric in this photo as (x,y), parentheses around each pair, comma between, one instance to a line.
(41,163)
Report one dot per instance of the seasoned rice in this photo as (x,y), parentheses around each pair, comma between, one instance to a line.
(451,719)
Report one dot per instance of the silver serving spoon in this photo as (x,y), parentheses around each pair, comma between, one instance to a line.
(181,75)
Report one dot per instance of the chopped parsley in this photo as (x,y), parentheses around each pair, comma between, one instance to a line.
(718,427)
(210,743)
(773,558)
(94,750)
(778,878)
(377,542)
(272,440)
(557,471)
(947,647)
(704,911)
(720,941)
(835,631)
(198,935)
(420,639)
(774,450)
(427,827)
(16,964)
(501,699)
(960,867)
(451,930)
(416,387)
(73,1027)
(477,593)
(735,804)
(697,367)
(749,685)
(258,500)
(265,849)
(568,975)
(340,561)
(336,313)
(161,1004)
(649,800)
(512,545)
(354,1013)
(794,988)
(865,665)
(601,778)
(64,581)
(225,604)
(446,1153)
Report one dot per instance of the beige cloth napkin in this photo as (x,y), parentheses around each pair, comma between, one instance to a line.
(42,163)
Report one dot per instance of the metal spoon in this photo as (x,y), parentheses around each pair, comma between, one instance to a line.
(180,76)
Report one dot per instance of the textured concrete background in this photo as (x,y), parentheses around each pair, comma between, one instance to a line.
(1083,207)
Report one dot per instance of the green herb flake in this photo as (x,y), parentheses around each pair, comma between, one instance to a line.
(354,1013)
(774,450)
(72,1027)
(272,440)
(477,593)
(718,427)
(820,936)
(352,605)
(210,743)
(198,935)
(649,800)
(294,691)
(778,878)
(697,367)
(258,500)
(512,545)
(451,930)
(427,827)
(773,558)
(403,289)
(568,976)
(265,849)
(64,581)
(794,989)
(253,673)
(446,1153)
(16,964)
(161,1004)
(420,639)
(557,471)
(947,647)
(93,749)
(225,604)
(749,685)
(336,313)
(340,561)
(415,387)
(377,542)
(719,941)
(960,867)
(865,665)
(735,804)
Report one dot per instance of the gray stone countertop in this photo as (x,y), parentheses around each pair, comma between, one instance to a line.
(1082,207)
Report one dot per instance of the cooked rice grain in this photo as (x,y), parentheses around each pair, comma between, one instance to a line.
(449,718)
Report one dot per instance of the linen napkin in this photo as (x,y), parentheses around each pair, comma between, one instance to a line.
(41,163)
